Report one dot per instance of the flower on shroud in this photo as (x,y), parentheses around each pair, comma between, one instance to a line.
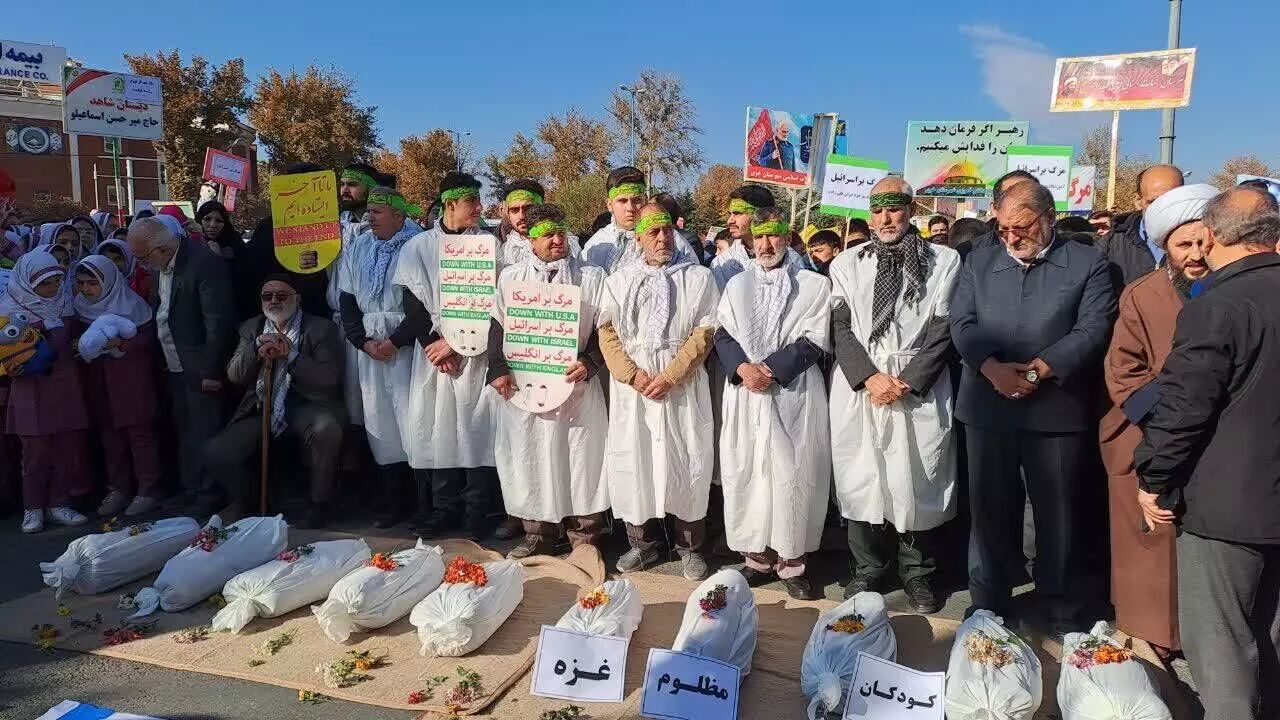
(111,525)
(983,648)
(295,554)
(136,530)
(716,599)
(209,538)
(850,624)
(383,562)
(460,571)
(594,599)
(1097,651)
(63,611)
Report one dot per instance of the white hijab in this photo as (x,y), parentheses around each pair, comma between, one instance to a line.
(116,298)
(20,293)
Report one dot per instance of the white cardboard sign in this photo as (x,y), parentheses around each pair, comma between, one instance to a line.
(684,686)
(882,690)
(573,665)
(540,341)
(468,284)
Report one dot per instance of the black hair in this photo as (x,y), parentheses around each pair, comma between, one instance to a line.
(966,230)
(670,204)
(454,180)
(826,237)
(601,221)
(365,168)
(939,219)
(997,191)
(622,175)
(1073,223)
(546,211)
(301,167)
(860,225)
(756,195)
(526,184)
(765,214)
(1099,214)
(229,237)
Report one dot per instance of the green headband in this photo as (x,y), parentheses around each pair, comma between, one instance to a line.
(770,227)
(459,193)
(546,227)
(741,206)
(518,195)
(627,189)
(890,199)
(359,177)
(651,220)
(395,201)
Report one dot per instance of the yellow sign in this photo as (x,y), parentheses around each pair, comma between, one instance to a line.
(304,215)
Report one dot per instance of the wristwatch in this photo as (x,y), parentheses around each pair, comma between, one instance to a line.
(1032,376)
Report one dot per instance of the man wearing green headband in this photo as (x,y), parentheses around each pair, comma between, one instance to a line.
(453,422)
(892,342)
(354,184)
(549,463)
(743,204)
(775,324)
(614,245)
(381,337)
(519,198)
(657,320)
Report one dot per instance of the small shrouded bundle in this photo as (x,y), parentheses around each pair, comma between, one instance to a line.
(720,621)
(469,606)
(993,674)
(1101,680)
(859,624)
(613,608)
(97,563)
(381,592)
(214,556)
(300,575)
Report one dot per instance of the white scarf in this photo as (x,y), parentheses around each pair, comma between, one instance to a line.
(516,249)
(20,292)
(764,321)
(116,298)
(555,271)
(652,288)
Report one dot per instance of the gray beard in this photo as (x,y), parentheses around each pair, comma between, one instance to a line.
(281,318)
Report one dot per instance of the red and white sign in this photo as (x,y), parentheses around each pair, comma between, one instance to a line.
(223,167)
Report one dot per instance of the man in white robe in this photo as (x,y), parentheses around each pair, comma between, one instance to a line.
(451,424)
(520,197)
(614,246)
(549,463)
(743,204)
(656,324)
(371,310)
(891,398)
(775,457)
(354,184)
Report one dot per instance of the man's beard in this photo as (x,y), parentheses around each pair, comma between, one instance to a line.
(770,260)
(890,239)
(281,317)
(660,257)
(355,206)
(1181,283)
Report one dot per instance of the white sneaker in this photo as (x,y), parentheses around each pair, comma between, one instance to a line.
(32,521)
(141,505)
(112,504)
(66,516)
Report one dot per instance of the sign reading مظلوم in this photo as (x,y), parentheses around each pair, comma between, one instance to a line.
(1050,165)
(468,284)
(684,686)
(304,218)
(540,323)
(846,189)
(1129,81)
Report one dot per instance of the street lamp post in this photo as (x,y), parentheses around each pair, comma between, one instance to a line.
(639,130)
(457,146)
(1166,122)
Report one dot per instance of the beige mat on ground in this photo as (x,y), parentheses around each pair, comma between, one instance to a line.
(551,585)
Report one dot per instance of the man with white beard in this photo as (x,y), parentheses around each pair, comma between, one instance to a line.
(451,425)
(775,461)
(657,319)
(549,463)
(891,402)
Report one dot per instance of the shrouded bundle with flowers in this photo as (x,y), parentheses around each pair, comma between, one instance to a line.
(380,591)
(859,624)
(97,563)
(613,608)
(720,621)
(992,674)
(1101,680)
(459,616)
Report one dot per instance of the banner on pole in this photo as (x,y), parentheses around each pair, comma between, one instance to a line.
(34,63)
(304,219)
(97,102)
(1049,164)
(468,285)
(230,170)
(959,159)
(1129,81)
(846,189)
(781,147)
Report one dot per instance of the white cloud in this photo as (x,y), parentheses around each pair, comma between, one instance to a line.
(1017,74)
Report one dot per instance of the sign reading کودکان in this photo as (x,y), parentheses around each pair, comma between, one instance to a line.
(684,686)
(304,220)
(1050,165)
(34,63)
(468,285)
(1129,81)
(540,323)
(573,665)
(96,102)
(882,690)
(959,159)
(846,189)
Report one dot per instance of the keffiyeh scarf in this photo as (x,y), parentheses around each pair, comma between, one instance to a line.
(384,252)
(651,290)
(281,377)
(772,290)
(556,271)
(907,258)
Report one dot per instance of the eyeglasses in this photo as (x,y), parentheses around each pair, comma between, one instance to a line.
(277,296)
(1024,231)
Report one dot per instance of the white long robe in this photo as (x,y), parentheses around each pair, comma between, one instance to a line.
(897,463)
(453,419)
(658,456)
(352,227)
(549,463)
(516,248)
(775,456)
(383,387)
(611,247)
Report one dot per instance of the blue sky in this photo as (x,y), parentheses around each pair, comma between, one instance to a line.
(492,68)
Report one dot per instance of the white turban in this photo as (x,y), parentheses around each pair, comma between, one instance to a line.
(1176,208)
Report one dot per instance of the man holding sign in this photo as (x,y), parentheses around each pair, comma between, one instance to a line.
(452,411)
(549,462)
(657,319)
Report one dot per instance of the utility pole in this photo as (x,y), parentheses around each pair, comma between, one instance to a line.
(635,158)
(457,147)
(1166,121)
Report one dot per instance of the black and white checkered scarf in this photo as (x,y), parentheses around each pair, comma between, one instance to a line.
(908,258)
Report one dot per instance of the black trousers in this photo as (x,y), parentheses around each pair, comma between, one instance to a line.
(197,417)
(465,493)
(873,547)
(227,455)
(1054,466)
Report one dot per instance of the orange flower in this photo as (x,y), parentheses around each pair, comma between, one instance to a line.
(461,571)
(383,562)
(1109,653)
(594,599)
(850,624)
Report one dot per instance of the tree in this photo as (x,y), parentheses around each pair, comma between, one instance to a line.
(312,117)
(711,195)
(582,199)
(661,124)
(1225,178)
(420,165)
(523,160)
(201,105)
(578,146)
(1095,149)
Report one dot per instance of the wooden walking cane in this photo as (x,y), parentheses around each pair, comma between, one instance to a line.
(267,405)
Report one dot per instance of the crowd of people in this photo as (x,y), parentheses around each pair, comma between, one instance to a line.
(753,381)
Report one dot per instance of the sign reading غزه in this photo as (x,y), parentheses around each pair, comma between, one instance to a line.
(846,189)
(882,690)
(573,665)
(684,686)
(540,341)
(304,219)
(468,285)
(1049,164)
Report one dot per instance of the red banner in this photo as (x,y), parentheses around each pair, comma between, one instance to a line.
(1134,81)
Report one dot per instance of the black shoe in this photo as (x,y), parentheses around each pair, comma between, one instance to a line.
(314,517)
(479,528)
(922,597)
(756,578)
(800,588)
(389,518)
(861,583)
(437,524)
(510,529)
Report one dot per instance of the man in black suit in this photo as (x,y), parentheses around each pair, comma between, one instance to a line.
(1031,318)
(191,294)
